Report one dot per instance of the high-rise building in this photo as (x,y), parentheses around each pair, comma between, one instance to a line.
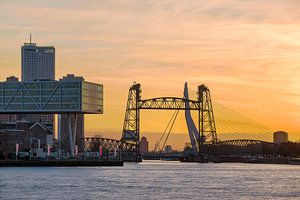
(38,63)
(144,145)
(280,137)
(63,128)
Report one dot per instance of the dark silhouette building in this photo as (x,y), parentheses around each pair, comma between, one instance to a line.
(144,145)
(26,134)
(168,149)
(280,137)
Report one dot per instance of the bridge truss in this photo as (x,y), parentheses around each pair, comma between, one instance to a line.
(206,122)
(93,143)
(241,147)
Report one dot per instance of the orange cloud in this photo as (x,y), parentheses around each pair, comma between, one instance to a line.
(247,52)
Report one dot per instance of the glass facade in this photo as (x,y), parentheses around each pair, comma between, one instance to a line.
(38,63)
(51,97)
(92,97)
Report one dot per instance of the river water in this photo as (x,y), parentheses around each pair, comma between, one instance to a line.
(153,180)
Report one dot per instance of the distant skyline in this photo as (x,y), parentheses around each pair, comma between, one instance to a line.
(246,52)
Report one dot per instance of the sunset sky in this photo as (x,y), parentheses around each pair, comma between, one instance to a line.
(246,52)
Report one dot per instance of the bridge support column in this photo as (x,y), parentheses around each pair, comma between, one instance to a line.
(199,130)
(131,127)
(137,111)
(72,121)
(59,134)
(207,127)
(200,122)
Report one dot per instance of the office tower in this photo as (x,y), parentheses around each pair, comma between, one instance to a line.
(63,129)
(38,63)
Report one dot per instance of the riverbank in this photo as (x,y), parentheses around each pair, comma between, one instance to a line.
(60,163)
(254,160)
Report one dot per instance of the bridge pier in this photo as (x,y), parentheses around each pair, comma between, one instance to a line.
(72,126)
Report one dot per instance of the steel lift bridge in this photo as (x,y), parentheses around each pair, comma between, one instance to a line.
(204,133)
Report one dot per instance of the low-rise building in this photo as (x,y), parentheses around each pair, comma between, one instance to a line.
(280,137)
(26,135)
(168,149)
(144,145)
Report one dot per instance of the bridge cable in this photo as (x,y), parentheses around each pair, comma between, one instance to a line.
(177,111)
(246,124)
(235,127)
(257,129)
(169,123)
(242,123)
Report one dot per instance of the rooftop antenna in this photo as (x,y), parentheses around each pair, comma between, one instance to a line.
(30,38)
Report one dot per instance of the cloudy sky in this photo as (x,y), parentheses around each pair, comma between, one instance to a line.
(247,52)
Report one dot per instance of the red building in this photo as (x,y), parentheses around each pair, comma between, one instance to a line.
(144,145)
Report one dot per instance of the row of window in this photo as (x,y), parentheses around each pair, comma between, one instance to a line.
(44,100)
(43,93)
(18,107)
